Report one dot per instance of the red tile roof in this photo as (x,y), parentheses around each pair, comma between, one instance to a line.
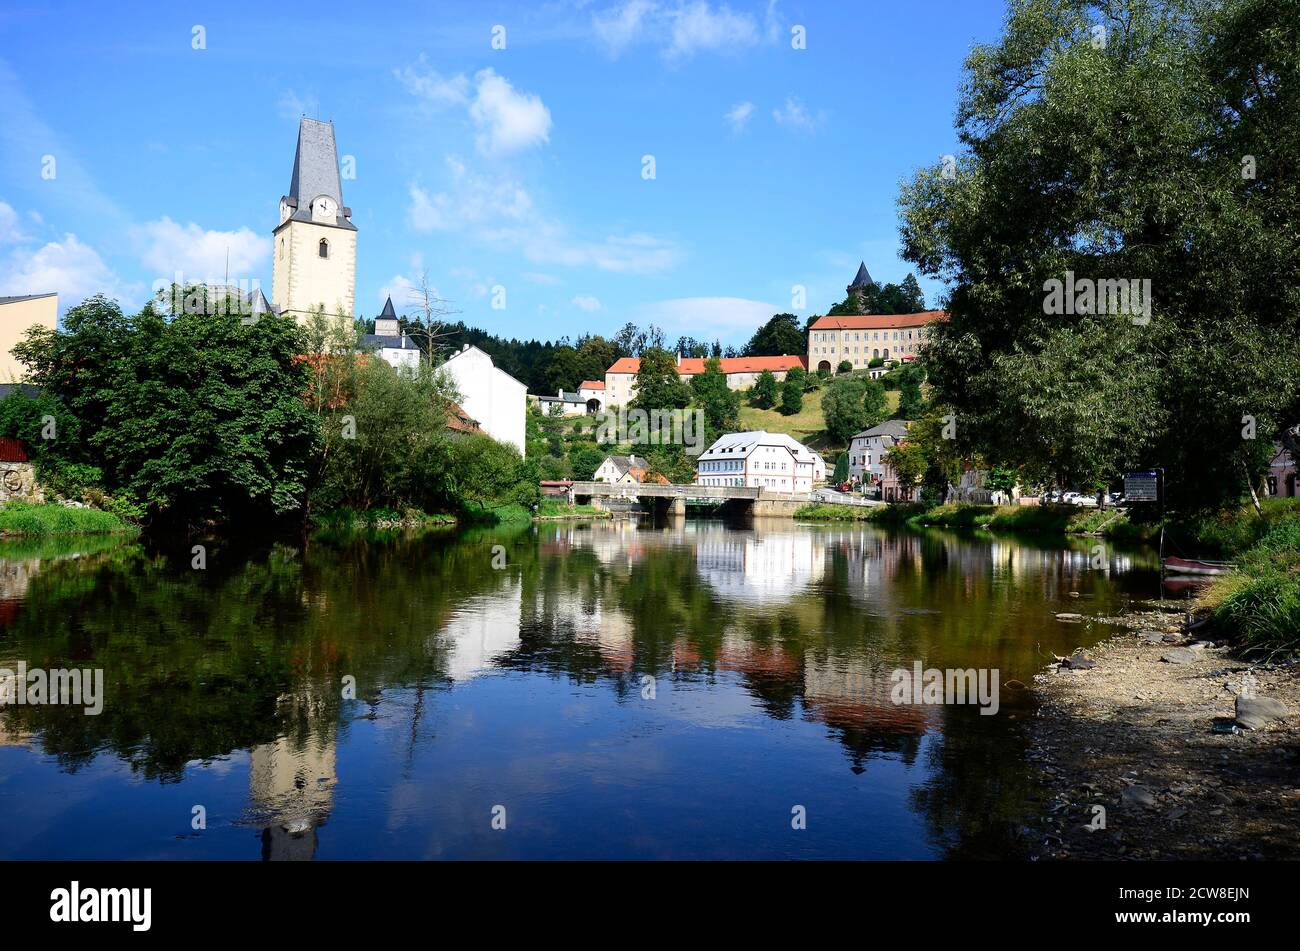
(879,321)
(591,385)
(690,366)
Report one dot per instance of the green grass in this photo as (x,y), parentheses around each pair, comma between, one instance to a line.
(347,519)
(836,513)
(25,518)
(1259,603)
(808,425)
(550,508)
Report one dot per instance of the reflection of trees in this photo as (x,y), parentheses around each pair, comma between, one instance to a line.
(249,654)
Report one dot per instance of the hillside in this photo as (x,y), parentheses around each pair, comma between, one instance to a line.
(807,426)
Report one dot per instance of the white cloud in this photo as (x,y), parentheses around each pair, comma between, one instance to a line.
(719,314)
(507,120)
(795,115)
(166,247)
(10,232)
(537,277)
(502,212)
(697,26)
(401,289)
(68,267)
(292,106)
(586,302)
(681,30)
(738,116)
(619,27)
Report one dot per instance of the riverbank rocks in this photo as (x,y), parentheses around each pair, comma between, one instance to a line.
(1138,796)
(1078,661)
(1179,655)
(1254,713)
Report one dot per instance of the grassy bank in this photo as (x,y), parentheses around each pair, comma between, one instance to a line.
(24,518)
(550,508)
(1259,603)
(347,519)
(1036,519)
(837,513)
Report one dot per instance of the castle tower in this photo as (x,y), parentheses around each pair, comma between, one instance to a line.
(315,254)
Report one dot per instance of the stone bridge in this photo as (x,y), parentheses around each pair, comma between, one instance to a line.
(673,499)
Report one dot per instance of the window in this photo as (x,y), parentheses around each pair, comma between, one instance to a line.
(282,249)
(324,248)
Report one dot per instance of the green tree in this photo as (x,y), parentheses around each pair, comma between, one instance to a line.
(199,417)
(720,403)
(874,403)
(910,400)
(791,395)
(1146,166)
(764,393)
(843,409)
(585,459)
(844,367)
(657,384)
(781,335)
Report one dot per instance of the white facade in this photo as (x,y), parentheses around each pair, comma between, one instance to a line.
(404,357)
(868,448)
(620,469)
(773,461)
(590,390)
(490,395)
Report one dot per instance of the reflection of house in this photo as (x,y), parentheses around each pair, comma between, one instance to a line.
(741,373)
(17,314)
(1282,474)
(490,395)
(773,461)
(481,629)
(762,566)
(867,450)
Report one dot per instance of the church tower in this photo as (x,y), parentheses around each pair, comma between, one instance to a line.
(315,253)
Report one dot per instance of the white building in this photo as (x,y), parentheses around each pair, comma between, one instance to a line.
(773,461)
(314,261)
(390,343)
(868,448)
(593,390)
(621,470)
(569,404)
(741,373)
(490,395)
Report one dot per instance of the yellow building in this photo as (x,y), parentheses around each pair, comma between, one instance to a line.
(17,314)
(314,261)
(859,339)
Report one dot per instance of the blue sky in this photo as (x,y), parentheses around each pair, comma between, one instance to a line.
(518,167)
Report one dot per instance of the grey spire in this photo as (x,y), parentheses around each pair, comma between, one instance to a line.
(316,171)
(260,303)
(861,279)
(388,310)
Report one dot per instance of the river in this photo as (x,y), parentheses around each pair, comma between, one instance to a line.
(589,690)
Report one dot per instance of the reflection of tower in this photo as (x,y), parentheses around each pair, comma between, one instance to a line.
(292,779)
(761,566)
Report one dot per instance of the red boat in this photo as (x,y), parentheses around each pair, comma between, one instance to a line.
(1195,566)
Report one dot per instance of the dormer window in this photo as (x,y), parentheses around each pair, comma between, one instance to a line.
(324,248)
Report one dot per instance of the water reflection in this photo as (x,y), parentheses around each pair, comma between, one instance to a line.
(628,690)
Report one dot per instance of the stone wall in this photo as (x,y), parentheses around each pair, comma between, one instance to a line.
(18,481)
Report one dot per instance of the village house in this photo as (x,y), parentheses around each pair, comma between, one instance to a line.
(489,395)
(593,391)
(741,373)
(563,404)
(626,470)
(772,461)
(867,450)
(17,316)
(893,489)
